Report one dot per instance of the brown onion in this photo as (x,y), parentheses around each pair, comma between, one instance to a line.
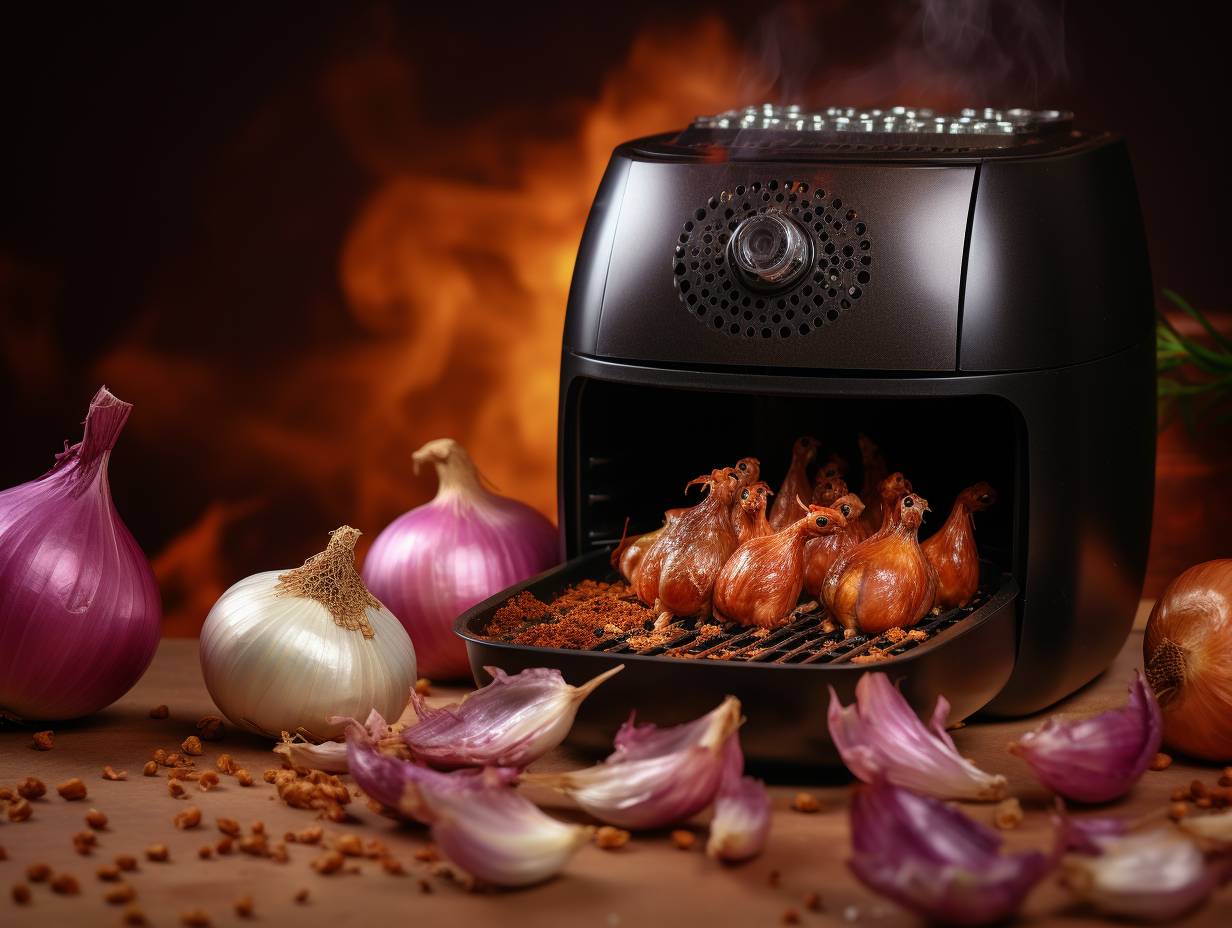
(952,551)
(760,583)
(884,582)
(795,485)
(821,553)
(1187,652)
(749,512)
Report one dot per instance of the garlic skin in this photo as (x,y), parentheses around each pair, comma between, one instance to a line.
(1158,875)
(274,662)
(741,821)
(656,776)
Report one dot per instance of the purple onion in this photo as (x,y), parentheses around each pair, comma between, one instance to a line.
(934,860)
(433,563)
(79,606)
(1100,757)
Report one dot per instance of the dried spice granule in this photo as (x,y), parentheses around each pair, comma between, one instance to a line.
(207,781)
(224,846)
(610,839)
(1204,802)
(38,873)
(150,769)
(134,917)
(192,745)
(807,803)
(195,918)
(301,897)
(6,794)
(278,853)
(392,866)
(1177,811)
(72,790)
(244,907)
(684,840)
(225,764)
(44,740)
(21,893)
(65,884)
(254,845)
(159,712)
(310,835)
(812,902)
(257,827)
(120,894)
(1197,789)
(110,773)
(228,826)
(243,777)
(159,757)
(84,842)
(31,788)
(350,846)
(790,917)
(183,773)
(1007,814)
(96,819)
(158,852)
(108,872)
(329,862)
(20,811)
(176,789)
(427,855)
(126,861)
(210,727)
(423,686)
(205,852)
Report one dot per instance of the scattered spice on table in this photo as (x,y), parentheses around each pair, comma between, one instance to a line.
(806,803)
(72,790)
(110,773)
(44,740)
(31,788)
(609,838)
(159,712)
(96,819)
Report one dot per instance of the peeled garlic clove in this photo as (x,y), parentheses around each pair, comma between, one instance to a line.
(1098,758)
(479,821)
(511,722)
(328,756)
(741,820)
(880,736)
(656,776)
(934,860)
(1154,876)
(1212,832)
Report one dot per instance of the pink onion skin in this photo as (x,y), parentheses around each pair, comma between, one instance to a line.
(433,563)
(1098,758)
(79,605)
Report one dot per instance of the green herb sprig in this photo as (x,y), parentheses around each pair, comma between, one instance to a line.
(1195,379)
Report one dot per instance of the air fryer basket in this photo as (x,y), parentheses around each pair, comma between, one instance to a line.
(782,680)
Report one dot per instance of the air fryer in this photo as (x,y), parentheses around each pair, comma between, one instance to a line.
(970,290)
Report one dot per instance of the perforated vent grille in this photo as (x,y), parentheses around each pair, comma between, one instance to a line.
(718,297)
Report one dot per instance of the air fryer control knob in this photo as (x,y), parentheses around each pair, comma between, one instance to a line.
(770,250)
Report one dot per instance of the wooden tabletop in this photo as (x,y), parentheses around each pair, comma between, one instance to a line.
(649,882)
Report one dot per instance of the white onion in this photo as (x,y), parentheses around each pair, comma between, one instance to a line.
(276,661)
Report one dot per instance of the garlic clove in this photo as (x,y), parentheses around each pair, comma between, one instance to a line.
(656,776)
(479,821)
(880,736)
(1158,875)
(1098,758)
(328,756)
(934,860)
(741,821)
(1212,832)
(511,722)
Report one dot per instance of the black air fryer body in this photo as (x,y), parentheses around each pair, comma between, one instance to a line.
(973,292)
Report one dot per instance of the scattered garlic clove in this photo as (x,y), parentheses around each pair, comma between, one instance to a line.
(1158,875)
(328,756)
(656,776)
(741,820)
(511,722)
(1098,758)
(880,736)
(1212,832)
(932,859)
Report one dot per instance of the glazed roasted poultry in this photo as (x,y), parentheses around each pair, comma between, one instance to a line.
(724,557)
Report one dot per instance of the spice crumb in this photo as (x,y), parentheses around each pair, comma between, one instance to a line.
(225,845)
(150,769)
(1008,814)
(134,916)
(807,803)
(684,840)
(609,838)
(44,740)
(158,852)
(159,712)
(72,790)
(1180,794)
(1160,761)
(110,773)
(243,777)
(427,854)
(21,893)
(812,902)
(126,861)
(176,789)
(108,872)
(301,896)
(244,907)
(20,811)
(225,764)
(392,866)
(423,686)
(120,894)
(228,826)
(1197,789)
(210,727)
(329,862)
(195,918)
(31,788)
(65,884)
(349,845)
(1204,802)
(192,745)
(84,842)
(96,819)
(205,852)
(310,835)
(790,917)
(38,873)
(207,781)
(1177,811)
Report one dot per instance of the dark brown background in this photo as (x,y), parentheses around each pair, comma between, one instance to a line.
(303,239)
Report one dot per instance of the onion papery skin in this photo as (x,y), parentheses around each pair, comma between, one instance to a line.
(1187,654)
(79,605)
(280,663)
(433,563)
